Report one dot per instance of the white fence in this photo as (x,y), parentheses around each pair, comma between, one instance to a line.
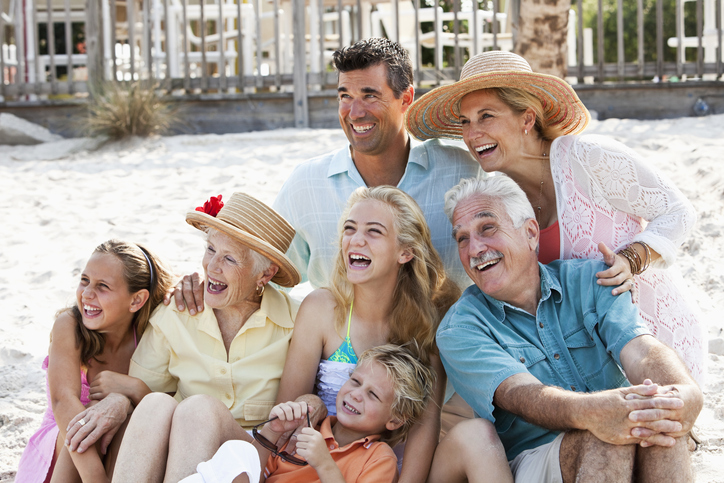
(253,46)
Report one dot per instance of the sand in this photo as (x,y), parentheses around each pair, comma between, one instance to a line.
(58,200)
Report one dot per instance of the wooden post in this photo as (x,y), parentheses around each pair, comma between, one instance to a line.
(94,48)
(301,103)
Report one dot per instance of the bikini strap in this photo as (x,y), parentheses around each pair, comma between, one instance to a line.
(349,319)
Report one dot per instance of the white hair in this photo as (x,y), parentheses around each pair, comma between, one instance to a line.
(259,263)
(498,187)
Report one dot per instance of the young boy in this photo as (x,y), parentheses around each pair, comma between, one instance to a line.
(387,392)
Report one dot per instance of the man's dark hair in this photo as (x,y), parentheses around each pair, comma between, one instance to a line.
(370,52)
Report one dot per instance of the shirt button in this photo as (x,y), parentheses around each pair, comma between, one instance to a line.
(522,359)
(573,388)
(556,356)
(540,324)
(223,370)
(228,396)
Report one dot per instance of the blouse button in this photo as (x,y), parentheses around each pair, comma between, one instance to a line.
(540,324)
(228,396)
(573,388)
(522,359)
(556,356)
(223,370)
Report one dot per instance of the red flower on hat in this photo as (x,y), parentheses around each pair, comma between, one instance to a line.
(212,207)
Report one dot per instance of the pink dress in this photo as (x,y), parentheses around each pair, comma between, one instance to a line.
(37,458)
(606,193)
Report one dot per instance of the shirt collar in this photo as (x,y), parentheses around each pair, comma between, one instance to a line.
(275,307)
(326,430)
(549,286)
(342,159)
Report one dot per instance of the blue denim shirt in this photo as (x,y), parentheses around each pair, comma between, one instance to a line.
(574,342)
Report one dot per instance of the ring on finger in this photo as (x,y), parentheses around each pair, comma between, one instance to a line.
(81,421)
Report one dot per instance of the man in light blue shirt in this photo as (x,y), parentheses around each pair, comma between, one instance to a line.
(538,351)
(375,89)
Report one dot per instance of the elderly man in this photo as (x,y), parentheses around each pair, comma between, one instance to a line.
(538,350)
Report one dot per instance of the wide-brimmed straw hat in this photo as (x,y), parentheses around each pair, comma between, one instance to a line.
(256,226)
(437,113)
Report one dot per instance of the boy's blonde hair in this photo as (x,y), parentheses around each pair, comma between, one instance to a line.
(412,382)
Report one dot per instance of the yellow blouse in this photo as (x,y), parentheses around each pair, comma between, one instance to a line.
(185,355)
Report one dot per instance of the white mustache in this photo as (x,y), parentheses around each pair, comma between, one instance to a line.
(487,256)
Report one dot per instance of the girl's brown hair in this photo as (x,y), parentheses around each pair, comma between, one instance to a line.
(141,270)
(423,292)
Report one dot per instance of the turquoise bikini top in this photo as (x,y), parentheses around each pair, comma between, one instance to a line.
(345,353)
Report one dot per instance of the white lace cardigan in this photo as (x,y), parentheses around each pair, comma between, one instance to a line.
(607,193)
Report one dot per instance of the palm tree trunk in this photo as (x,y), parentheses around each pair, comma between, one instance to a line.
(541,35)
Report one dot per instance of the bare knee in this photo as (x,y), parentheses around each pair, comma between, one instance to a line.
(584,457)
(201,407)
(471,451)
(155,409)
(473,434)
(659,463)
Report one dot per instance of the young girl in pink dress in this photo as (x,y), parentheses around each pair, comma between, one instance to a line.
(119,287)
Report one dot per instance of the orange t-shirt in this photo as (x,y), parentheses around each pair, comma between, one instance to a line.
(549,244)
(364,460)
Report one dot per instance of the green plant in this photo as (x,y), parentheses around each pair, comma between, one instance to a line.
(122,109)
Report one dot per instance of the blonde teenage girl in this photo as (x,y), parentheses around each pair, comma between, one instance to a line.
(91,345)
(388,286)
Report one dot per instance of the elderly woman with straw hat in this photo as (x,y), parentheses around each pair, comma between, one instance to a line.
(592,196)
(216,374)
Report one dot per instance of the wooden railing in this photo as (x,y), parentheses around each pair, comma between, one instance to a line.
(254,46)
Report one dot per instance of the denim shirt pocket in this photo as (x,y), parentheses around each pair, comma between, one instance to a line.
(593,362)
(533,359)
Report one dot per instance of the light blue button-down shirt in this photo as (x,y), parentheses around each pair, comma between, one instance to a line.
(313,197)
(574,342)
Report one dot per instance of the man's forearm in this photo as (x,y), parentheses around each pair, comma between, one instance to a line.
(545,406)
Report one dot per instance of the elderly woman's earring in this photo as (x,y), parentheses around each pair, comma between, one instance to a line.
(260,290)
(526,132)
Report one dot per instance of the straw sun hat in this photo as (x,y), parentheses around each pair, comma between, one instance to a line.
(436,114)
(254,225)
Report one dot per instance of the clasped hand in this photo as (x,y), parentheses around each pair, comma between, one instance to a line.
(646,414)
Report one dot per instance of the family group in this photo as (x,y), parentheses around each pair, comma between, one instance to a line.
(492,314)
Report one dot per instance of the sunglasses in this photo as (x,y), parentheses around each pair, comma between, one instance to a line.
(266,444)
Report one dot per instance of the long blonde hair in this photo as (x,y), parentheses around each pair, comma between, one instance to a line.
(137,273)
(423,292)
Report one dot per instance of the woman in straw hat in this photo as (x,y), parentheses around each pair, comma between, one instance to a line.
(388,286)
(592,196)
(220,370)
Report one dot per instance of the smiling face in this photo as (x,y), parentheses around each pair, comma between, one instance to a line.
(102,295)
(364,402)
(499,258)
(369,113)
(369,243)
(492,131)
(228,268)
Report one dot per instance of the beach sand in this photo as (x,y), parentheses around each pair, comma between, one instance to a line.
(59,200)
